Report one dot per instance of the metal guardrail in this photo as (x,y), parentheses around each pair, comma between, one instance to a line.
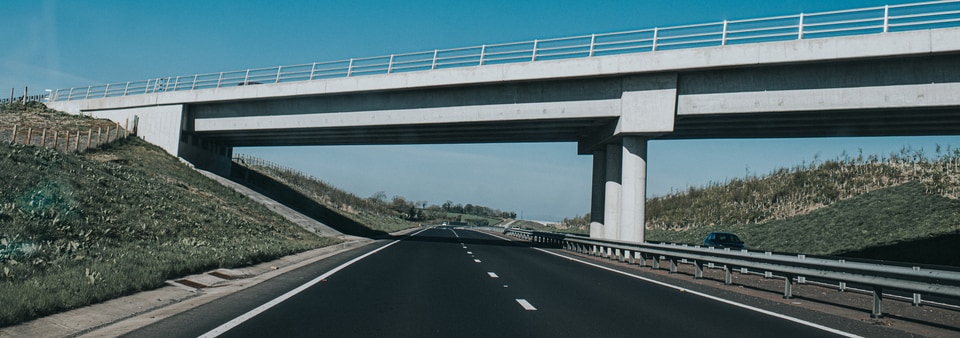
(916,16)
(875,275)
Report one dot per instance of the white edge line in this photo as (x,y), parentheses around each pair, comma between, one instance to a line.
(748,307)
(266,306)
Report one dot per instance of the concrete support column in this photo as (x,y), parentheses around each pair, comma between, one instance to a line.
(597,195)
(612,205)
(633,189)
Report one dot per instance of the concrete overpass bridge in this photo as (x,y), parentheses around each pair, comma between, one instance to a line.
(892,70)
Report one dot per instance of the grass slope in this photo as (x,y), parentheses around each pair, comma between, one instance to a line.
(887,217)
(77,229)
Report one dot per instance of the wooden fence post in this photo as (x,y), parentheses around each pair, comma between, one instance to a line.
(56,137)
(89,134)
(99,132)
(126,129)
(43,137)
(66,146)
(14,140)
(76,148)
(29,134)
(117,132)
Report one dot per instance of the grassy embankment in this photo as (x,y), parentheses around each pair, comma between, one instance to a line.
(903,208)
(77,229)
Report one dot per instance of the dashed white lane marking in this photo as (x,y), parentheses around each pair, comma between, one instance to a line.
(469,252)
(492,275)
(526,305)
(260,309)
(476,260)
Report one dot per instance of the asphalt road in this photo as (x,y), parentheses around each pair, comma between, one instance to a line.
(443,282)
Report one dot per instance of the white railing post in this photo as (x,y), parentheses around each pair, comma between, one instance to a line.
(800,28)
(656,31)
(723,37)
(350,68)
(483,50)
(195,78)
(434,65)
(219,79)
(106,90)
(886,18)
(533,57)
(176,83)
(313,70)
(246,76)
(87,95)
(279,71)
(593,40)
(390,65)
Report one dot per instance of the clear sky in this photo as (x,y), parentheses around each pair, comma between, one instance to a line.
(47,44)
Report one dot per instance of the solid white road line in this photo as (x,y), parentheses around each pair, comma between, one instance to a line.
(748,307)
(492,275)
(266,306)
(526,305)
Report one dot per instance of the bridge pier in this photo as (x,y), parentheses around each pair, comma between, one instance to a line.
(619,190)
(634,188)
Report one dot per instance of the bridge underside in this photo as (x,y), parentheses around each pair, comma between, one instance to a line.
(558,130)
(887,122)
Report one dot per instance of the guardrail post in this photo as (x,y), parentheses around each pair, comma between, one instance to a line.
(723,37)
(656,262)
(533,57)
(917,300)
(483,50)
(886,18)
(673,265)
(800,28)
(768,274)
(727,275)
(697,269)
(642,259)
(656,30)
(788,287)
(877,303)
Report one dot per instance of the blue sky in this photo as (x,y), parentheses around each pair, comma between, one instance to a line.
(59,44)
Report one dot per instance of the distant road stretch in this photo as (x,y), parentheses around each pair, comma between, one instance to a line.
(444,282)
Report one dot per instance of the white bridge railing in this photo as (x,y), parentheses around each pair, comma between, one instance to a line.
(915,16)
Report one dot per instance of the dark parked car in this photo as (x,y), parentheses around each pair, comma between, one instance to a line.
(723,240)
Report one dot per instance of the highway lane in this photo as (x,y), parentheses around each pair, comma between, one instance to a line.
(444,282)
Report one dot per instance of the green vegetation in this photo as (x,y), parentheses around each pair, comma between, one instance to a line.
(889,216)
(77,229)
(839,207)
(376,212)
